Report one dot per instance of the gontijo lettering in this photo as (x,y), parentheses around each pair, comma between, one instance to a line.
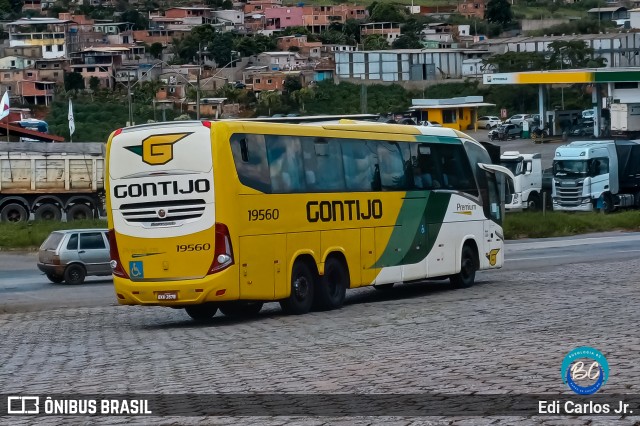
(328,211)
(174,187)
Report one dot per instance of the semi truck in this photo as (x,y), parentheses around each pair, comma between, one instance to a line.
(51,181)
(596,175)
(531,183)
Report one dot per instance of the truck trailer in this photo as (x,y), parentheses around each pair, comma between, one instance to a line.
(51,181)
(602,175)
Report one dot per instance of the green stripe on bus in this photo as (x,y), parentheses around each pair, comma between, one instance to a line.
(438,139)
(416,230)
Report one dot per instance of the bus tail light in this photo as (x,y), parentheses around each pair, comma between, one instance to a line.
(116,265)
(223,254)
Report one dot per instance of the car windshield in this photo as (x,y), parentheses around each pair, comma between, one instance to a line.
(514,165)
(570,168)
(51,243)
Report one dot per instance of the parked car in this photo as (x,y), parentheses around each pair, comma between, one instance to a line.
(70,255)
(583,128)
(589,113)
(505,131)
(488,121)
(518,119)
(430,124)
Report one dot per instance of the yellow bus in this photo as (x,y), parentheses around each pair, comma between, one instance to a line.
(231,214)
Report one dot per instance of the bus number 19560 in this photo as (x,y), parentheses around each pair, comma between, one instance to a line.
(193,247)
(264,214)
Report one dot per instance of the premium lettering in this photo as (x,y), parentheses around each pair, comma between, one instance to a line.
(152,189)
(328,211)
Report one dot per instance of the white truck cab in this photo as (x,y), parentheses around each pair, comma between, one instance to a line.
(527,171)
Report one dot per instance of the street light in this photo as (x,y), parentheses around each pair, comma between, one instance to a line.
(131,86)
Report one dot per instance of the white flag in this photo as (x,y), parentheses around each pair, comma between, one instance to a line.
(4,106)
(72,126)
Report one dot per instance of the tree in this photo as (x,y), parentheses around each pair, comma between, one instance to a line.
(498,11)
(291,84)
(303,95)
(73,81)
(387,12)
(333,37)
(94,83)
(139,21)
(270,100)
(407,41)
(572,54)
(155,50)
(375,42)
(516,61)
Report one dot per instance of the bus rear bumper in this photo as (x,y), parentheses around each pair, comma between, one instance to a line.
(174,293)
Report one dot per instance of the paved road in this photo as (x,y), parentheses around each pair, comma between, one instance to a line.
(507,334)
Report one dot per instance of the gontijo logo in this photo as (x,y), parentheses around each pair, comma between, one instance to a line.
(596,372)
(157,150)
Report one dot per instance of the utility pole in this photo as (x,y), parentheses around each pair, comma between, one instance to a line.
(129,97)
(198,82)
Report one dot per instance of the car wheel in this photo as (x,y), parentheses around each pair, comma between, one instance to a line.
(331,290)
(303,281)
(488,126)
(202,312)
(467,275)
(74,274)
(241,309)
(54,278)
(13,213)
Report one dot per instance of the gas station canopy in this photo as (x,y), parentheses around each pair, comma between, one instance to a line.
(588,76)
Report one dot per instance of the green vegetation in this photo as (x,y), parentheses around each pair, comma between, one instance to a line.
(30,235)
(559,224)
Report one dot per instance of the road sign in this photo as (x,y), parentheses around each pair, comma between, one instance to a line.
(503,113)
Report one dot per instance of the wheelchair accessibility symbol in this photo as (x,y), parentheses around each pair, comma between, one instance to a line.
(136,270)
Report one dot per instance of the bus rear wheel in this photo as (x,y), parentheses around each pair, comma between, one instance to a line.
(331,291)
(303,282)
(241,309)
(467,275)
(202,312)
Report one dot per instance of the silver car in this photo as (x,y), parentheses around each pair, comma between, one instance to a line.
(70,255)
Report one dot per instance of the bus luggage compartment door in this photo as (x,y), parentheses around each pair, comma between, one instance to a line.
(262,266)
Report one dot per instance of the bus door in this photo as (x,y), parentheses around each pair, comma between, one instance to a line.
(493,204)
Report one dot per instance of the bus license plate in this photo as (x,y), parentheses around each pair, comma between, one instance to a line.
(167,295)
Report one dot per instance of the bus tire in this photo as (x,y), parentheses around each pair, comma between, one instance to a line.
(332,288)
(467,274)
(48,211)
(74,274)
(14,212)
(79,212)
(303,282)
(203,312)
(240,309)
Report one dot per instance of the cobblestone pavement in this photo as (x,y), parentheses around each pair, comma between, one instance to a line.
(508,334)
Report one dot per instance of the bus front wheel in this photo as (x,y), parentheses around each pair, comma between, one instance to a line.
(467,274)
(303,282)
(330,292)
(202,312)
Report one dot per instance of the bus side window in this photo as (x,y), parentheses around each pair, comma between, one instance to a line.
(361,168)
(285,164)
(394,165)
(323,166)
(250,157)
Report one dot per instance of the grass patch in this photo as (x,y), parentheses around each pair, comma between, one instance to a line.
(29,235)
(559,224)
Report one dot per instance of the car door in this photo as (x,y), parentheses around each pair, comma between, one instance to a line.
(94,252)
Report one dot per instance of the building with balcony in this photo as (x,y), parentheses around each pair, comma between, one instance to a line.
(181,18)
(36,92)
(473,9)
(283,17)
(318,18)
(49,34)
(51,69)
(99,62)
(311,49)
(389,30)
(282,61)
(259,6)
(164,37)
